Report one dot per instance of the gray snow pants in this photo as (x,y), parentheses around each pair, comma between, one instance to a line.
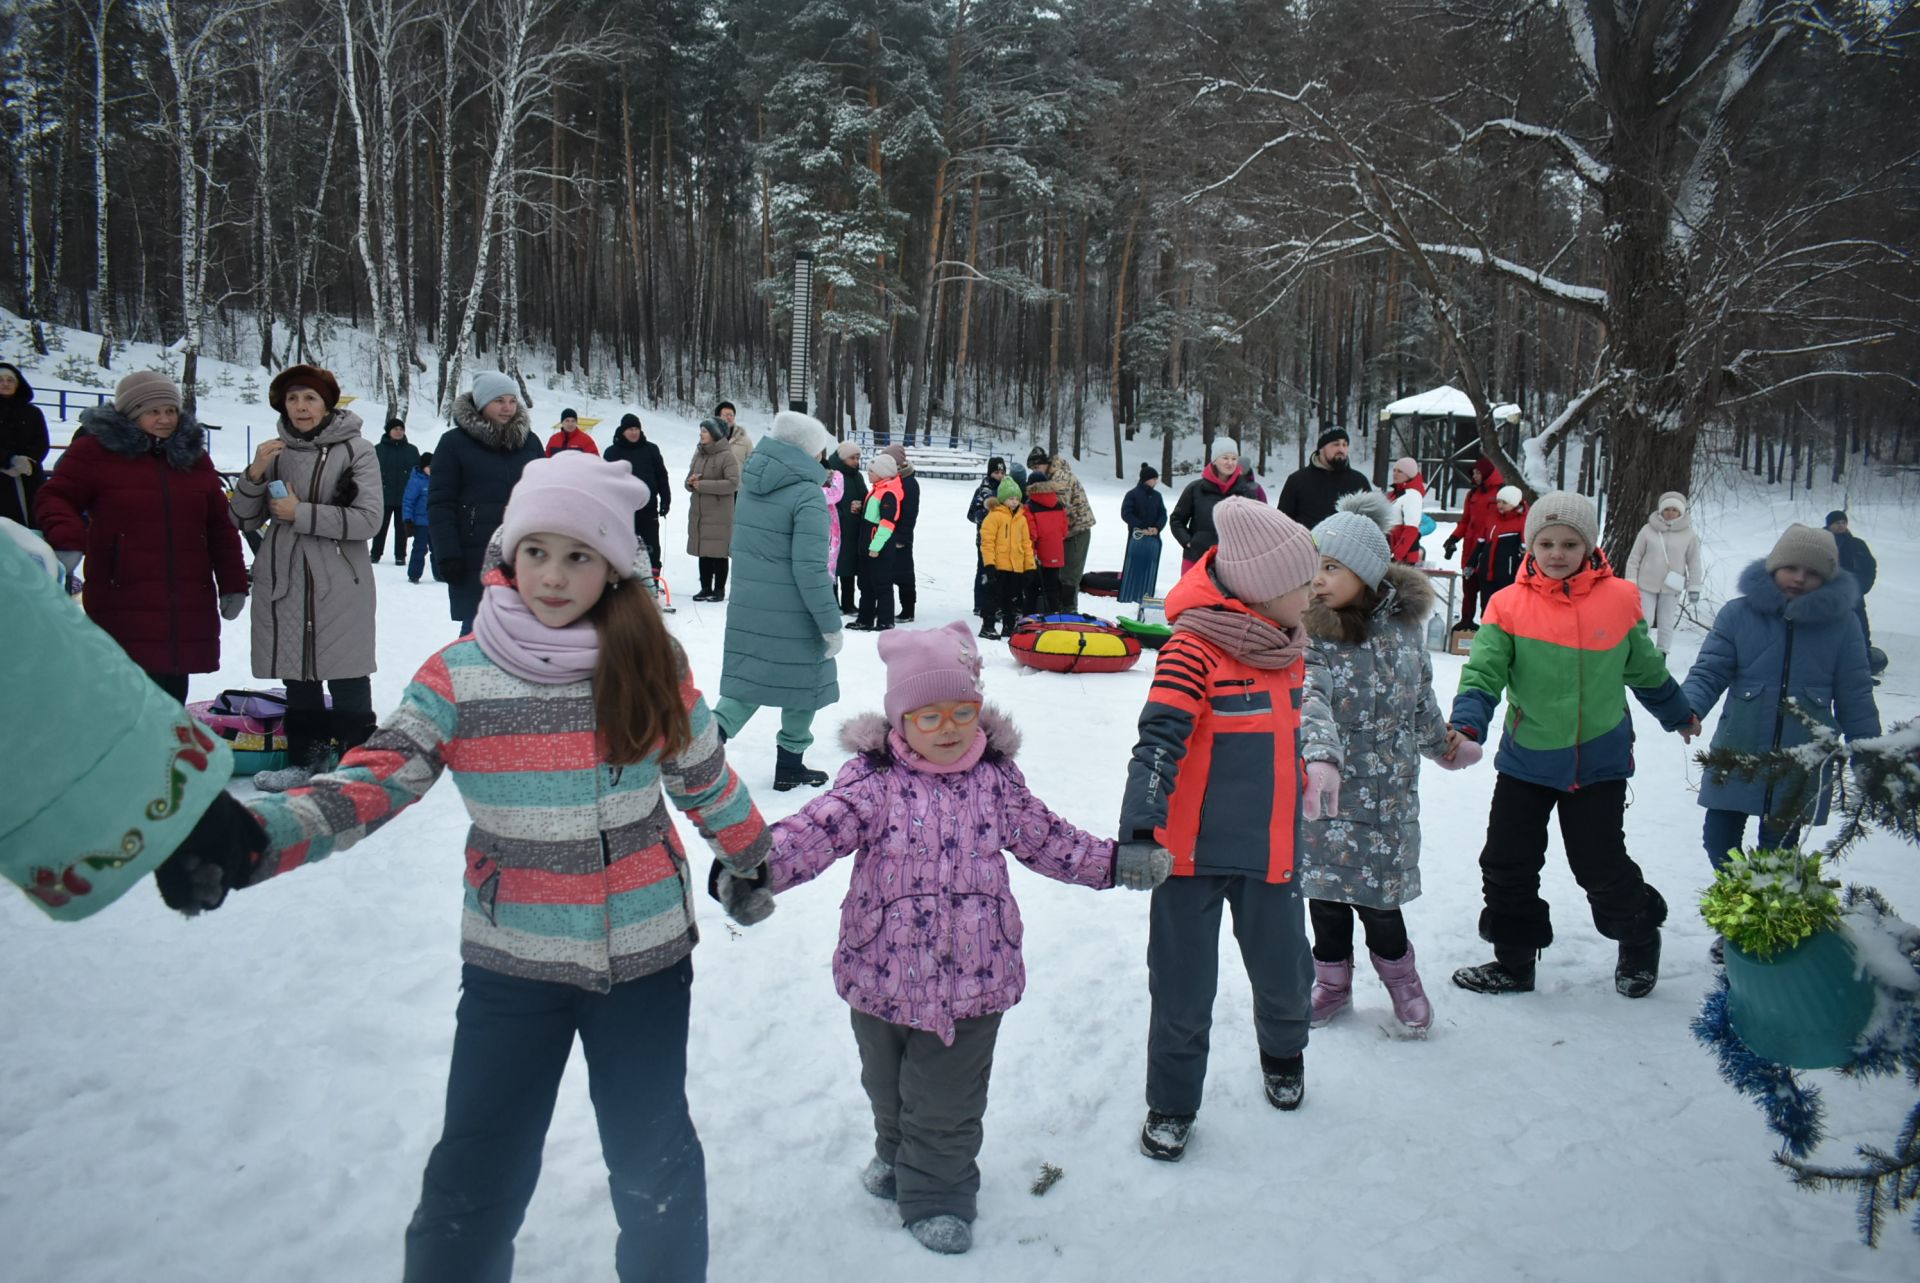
(1076,550)
(1183,973)
(928,1100)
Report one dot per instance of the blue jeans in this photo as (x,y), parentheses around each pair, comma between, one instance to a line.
(1725,831)
(510,1046)
(417,561)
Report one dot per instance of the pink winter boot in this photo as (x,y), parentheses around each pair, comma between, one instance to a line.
(1332,990)
(1410,1005)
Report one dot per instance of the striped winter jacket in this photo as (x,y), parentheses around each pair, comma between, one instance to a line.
(574,872)
(885,504)
(1218,771)
(1565,652)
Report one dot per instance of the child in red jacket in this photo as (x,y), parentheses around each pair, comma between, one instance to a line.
(1235,747)
(1048,522)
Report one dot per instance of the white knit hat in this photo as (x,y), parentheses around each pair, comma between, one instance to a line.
(802,430)
(1510,495)
(1565,508)
(883,466)
(1224,445)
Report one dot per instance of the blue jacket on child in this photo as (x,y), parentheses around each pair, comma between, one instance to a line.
(413,504)
(1767,648)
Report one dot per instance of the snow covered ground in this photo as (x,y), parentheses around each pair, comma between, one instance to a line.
(252,1095)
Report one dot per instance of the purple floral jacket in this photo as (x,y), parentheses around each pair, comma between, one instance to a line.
(929,931)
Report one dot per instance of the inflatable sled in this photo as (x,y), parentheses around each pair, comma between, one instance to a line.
(1069,643)
(253,722)
(1152,636)
(1101,583)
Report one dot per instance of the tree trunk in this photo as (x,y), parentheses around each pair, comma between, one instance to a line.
(1119,323)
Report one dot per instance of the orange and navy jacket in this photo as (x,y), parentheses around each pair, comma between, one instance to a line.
(1565,652)
(882,512)
(1218,771)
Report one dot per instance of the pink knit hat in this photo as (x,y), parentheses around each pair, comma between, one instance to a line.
(927,665)
(581,496)
(1263,552)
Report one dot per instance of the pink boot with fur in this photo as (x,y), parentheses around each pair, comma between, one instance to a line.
(1332,990)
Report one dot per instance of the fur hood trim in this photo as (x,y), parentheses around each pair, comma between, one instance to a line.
(866,736)
(467,417)
(340,425)
(1406,598)
(1829,601)
(122,435)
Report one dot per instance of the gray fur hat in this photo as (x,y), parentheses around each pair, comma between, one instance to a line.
(1356,536)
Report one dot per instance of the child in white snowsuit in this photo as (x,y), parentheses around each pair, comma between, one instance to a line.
(1367,622)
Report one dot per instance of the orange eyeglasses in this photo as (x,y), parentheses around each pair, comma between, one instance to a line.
(930,720)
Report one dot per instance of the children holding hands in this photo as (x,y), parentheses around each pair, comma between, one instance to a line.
(1563,645)
(929,951)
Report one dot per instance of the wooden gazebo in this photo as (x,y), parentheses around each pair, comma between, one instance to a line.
(1438,427)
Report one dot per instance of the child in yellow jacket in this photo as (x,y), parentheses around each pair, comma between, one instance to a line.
(1006,550)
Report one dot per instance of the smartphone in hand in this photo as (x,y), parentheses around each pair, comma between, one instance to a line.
(277,488)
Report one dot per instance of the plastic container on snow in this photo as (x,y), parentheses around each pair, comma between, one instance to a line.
(1804,1007)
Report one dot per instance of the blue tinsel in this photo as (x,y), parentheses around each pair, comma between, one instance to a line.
(1792,1109)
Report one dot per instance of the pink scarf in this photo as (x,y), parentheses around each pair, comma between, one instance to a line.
(515,640)
(905,755)
(1250,638)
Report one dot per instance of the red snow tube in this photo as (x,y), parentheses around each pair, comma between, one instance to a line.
(1073,644)
(1101,583)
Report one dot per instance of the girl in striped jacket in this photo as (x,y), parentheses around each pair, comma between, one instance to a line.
(564,717)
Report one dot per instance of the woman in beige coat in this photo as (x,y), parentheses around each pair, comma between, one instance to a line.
(713,479)
(313,598)
(1664,563)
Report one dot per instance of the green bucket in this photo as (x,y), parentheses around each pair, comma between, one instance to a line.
(1804,1007)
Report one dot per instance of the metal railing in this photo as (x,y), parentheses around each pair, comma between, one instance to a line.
(64,398)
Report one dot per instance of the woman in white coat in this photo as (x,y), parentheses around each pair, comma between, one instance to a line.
(1664,563)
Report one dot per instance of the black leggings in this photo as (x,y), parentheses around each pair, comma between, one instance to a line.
(1333,930)
(350,695)
(713,575)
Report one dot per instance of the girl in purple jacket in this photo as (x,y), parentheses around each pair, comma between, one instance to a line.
(929,952)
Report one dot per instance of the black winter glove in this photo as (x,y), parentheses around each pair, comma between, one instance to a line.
(452,569)
(220,855)
(1450,545)
(747,900)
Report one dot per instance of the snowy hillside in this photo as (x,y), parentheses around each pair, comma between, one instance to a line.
(252,1095)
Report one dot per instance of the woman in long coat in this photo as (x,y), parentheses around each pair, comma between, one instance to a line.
(475,467)
(313,600)
(713,478)
(783,626)
(1145,513)
(137,495)
(853,531)
(23,445)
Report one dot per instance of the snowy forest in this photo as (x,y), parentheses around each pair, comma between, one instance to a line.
(1664,228)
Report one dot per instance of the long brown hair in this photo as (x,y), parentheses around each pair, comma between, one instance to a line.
(636,682)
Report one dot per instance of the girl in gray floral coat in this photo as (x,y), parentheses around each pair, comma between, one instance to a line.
(1367,621)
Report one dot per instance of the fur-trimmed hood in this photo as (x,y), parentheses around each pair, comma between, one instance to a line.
(122,435)
(1406,598)
(1830,600)
(467,417)
(866,736)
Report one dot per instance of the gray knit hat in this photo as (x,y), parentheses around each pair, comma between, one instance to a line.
(1564,508)
(1807,548)
(491,385)
(1356,536)
(142,390)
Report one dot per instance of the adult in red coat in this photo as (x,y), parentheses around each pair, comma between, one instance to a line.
(138,497)
(1477,517)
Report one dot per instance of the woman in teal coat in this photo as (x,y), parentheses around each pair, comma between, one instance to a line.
(783,622)
(1790,636)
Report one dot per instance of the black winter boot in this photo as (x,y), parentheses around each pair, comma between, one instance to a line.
(1638,969)
(790,771)
(1511,971)
(1164,1137)
(351,730)
(1286,1080)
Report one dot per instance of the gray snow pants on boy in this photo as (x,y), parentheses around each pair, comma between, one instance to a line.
(1183,973)
(928,1099)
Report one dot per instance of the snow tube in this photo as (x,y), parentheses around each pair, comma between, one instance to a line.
(1152,636)
(253,722)
(1069,643)
(1101,583)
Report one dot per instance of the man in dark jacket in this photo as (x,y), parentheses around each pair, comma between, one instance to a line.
(1857,560)
(630,446)
(1311,494)
(398,458)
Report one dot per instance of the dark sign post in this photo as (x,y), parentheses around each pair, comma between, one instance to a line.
(800,355)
